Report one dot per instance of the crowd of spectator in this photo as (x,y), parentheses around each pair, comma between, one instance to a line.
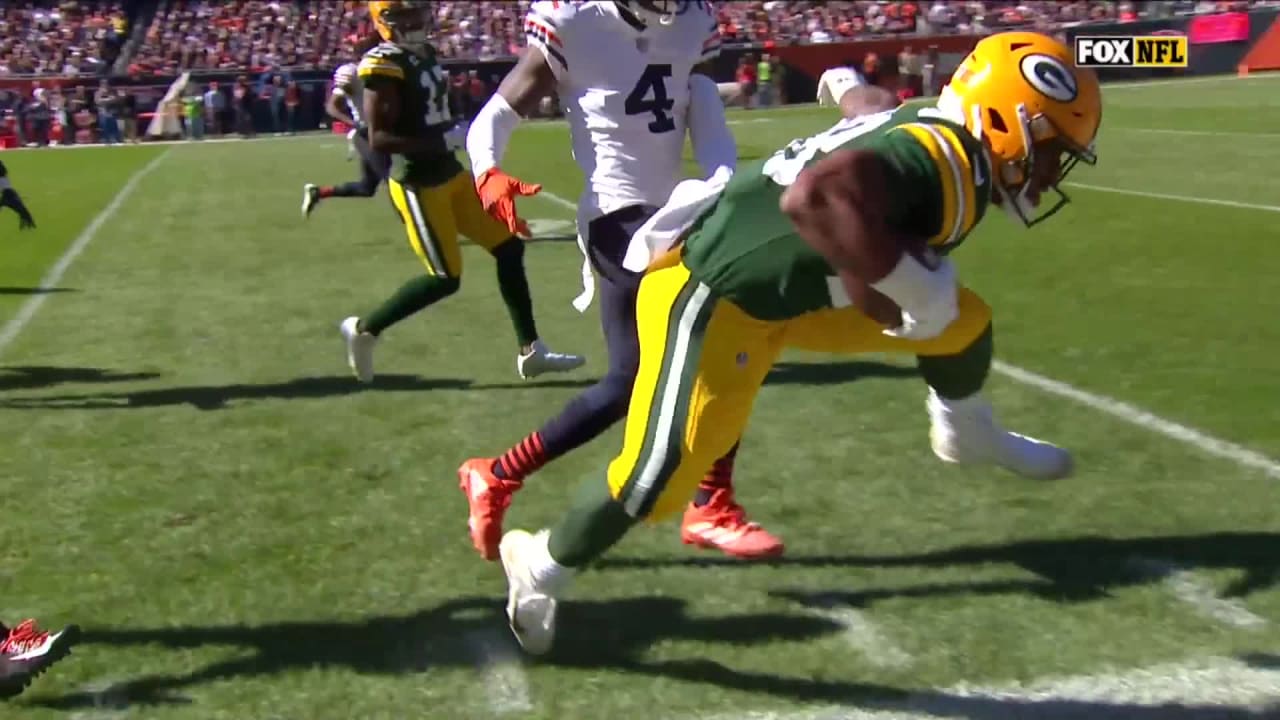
(76,38)
(65,38)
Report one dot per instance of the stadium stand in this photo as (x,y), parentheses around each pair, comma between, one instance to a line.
(53,54)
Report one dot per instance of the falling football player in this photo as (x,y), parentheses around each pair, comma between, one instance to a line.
(838,243)
(406,106)
(633,76)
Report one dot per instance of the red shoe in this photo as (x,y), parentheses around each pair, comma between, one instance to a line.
(28,651)
(722,525)
(489,497)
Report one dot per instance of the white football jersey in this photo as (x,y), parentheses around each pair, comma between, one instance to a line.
(346,83)
(624,89)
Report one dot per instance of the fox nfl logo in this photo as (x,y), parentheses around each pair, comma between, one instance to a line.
(1147,51)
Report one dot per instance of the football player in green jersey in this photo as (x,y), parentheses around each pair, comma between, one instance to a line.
(788,251)
(406,103)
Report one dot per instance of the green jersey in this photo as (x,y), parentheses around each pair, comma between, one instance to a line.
(747,251)
(424,109)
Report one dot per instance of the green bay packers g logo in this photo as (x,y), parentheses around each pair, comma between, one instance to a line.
(1050,77)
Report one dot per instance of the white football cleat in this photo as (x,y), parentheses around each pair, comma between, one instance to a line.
(359,349)
(965,431)
(310,198)
(530,611)
(540,359)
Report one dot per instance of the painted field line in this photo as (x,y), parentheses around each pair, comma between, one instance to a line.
(506,687)
(1189,81)
(1199,133)
(1196,593)
(865,637)
(1121,410)
(1177,198)
(1219,688)
(51,279)
(1137,416)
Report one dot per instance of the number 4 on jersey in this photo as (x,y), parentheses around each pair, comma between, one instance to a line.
(653,81)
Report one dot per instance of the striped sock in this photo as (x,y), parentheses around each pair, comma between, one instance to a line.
(522,460)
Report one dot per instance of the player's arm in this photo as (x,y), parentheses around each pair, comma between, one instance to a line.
(535,76)
(383,81)
(841,206)
(336,107)
(713,144)
(10,198)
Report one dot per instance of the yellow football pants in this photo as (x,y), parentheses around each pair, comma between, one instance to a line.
(702,362)
(433,217)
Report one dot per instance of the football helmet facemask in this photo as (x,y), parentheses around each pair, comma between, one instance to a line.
(1038,114)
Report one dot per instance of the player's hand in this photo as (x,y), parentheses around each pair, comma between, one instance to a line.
(498,191)
(930,319)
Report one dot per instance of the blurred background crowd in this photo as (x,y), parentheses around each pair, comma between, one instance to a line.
(83,47)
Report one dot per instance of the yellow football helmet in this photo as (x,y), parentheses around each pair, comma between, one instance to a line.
(402,22)
(1021,93)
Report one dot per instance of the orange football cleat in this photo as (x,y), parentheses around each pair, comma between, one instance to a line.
(488,496)
(722,525)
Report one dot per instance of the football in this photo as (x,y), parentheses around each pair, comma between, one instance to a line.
(876,304)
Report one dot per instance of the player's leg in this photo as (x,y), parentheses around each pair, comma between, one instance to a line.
(955,365)
(702,362)
(534,358)
(429,224)
(488,482)
(374,167)
(26,651)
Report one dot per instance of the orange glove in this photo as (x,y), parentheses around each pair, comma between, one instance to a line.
(498,191)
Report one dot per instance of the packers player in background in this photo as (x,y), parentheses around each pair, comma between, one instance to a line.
(859,216)
(406,106)
(344,105)
(633,77)
(10,198)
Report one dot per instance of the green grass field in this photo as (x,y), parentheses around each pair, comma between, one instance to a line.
(190,473)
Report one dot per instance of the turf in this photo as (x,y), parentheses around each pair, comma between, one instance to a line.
(191,474)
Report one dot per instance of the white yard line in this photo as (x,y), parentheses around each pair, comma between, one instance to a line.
(1121,410)
(1137,416)
(505,684)
(1176,198)
(1210,688)
(865,637)
(1189,81)
(1197,593)
(1198,133)
(51,279)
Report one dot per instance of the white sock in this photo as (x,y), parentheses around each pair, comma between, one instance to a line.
(965,405)
(549,576)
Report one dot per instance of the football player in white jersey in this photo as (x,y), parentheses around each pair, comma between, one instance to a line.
(343,105)
(632,76)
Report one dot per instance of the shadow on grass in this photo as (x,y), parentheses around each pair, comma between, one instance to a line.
(1067,569)
(594,636)
(219,397)
(30,377)
(9,290)
(462,633)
